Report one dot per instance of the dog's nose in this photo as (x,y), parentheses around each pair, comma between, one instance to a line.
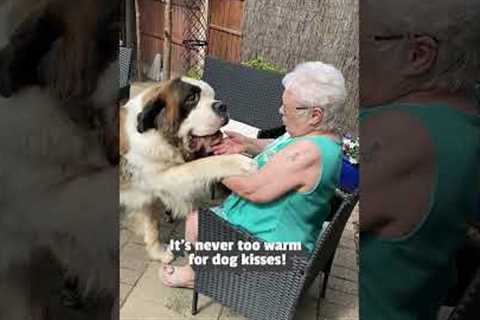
(220,108)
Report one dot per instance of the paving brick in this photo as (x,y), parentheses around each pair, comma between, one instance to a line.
(331,311)
(135,309)
(344,273)
(137,239)
(134,251)
(228,314)
(341,299)
(342,285)
(306,312)
(148,299)
(133,257)
(348,235)
(177,301)
(129,276)
(124,292)
(125,236)
(133,264)
(346,244)
(346,258)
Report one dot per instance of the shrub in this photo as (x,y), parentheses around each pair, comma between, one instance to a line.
(260,63)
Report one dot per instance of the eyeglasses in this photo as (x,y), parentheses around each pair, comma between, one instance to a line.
(282,108)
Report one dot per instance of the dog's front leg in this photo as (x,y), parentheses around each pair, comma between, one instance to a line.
(180,186)
(155,250)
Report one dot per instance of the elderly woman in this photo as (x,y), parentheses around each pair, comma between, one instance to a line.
(288,198)
(420,133)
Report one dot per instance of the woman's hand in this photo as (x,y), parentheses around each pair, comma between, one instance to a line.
(233,143)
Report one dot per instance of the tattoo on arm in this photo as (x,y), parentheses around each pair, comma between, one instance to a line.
(293,157)
(369,152)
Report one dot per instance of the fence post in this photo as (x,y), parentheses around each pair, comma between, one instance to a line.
(167,41)
(139,42)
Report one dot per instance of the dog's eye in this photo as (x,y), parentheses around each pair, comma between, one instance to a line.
(192,98)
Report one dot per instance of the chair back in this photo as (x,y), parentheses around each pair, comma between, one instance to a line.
(252,96)
(125,62)
(468,307)
(327,242)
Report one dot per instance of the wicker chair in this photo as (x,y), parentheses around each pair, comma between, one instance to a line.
(125,63)
(468,307)
(267,295)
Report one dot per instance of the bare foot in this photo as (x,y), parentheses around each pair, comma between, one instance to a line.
(177,277)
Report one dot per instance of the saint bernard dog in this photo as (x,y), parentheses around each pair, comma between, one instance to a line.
(58,188)
(165,133)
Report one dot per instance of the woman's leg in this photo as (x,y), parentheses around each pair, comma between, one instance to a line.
(174,276)
(191,227)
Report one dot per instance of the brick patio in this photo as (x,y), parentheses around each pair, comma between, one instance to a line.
(143,297)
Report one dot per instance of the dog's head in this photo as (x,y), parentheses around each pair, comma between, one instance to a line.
(185,112)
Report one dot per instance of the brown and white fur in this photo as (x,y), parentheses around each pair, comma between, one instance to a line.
(58,204)
(164,133)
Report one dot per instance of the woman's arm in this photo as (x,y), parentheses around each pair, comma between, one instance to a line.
(397,161)
(287,170)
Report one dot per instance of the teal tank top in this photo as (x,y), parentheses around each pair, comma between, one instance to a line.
(407,278)
(295,216)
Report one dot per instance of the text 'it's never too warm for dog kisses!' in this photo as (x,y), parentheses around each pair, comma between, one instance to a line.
(235,253)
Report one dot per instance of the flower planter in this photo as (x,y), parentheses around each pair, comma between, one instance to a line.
(349,177)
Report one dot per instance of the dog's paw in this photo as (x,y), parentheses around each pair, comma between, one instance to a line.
(242,165)
(160,253)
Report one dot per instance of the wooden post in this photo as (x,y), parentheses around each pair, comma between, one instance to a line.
(129,27)
(206,16)
(139,42)
(167,41)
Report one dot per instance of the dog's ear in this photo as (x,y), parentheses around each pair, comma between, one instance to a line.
(146,119)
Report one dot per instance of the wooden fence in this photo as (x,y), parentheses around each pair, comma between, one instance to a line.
(224,30)
(284,32)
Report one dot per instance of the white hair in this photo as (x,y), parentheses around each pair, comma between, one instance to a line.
(316,84)
(454,24)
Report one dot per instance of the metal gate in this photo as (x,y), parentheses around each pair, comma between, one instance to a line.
(195,36)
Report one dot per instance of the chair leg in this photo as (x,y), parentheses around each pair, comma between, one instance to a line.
(195,303)
(318,300)
(326,274)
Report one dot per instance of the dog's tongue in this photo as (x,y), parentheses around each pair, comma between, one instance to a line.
(216,138)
